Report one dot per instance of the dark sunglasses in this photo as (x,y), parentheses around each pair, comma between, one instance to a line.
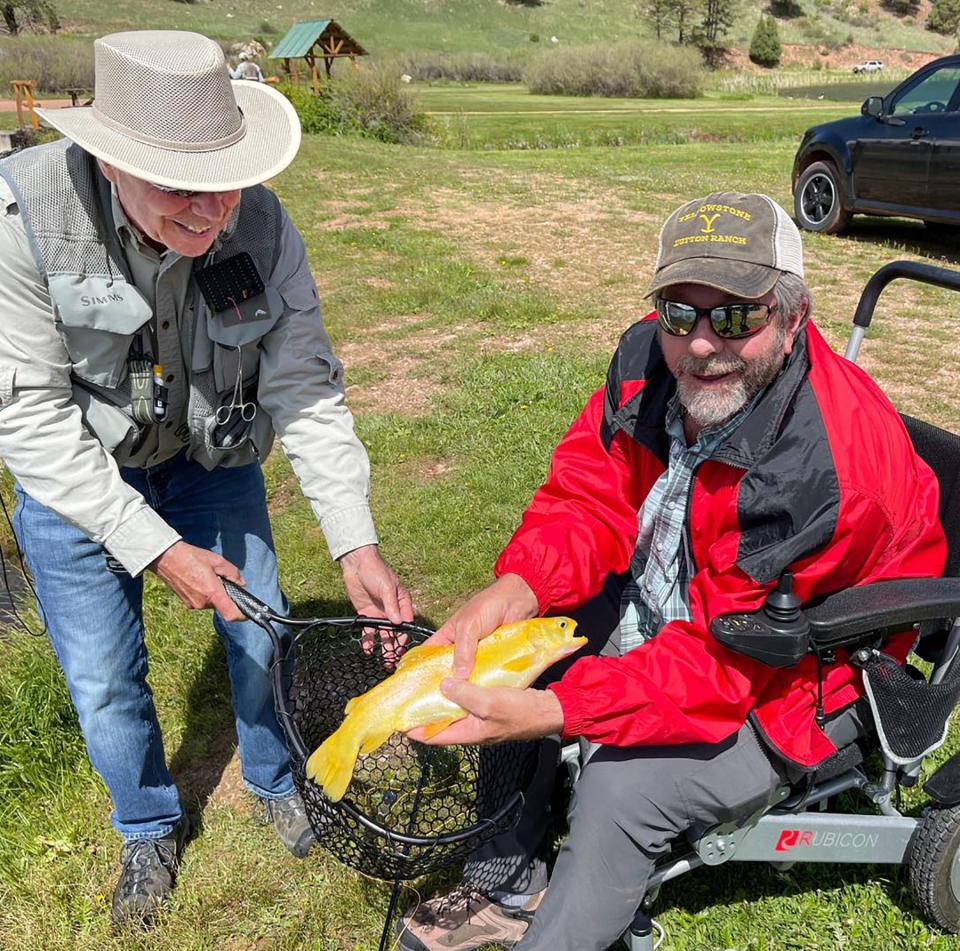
(730,321)
(179,192)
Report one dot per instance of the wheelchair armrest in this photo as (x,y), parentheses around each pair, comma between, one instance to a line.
(845,617)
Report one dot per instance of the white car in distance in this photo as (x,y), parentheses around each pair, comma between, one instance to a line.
(870,66)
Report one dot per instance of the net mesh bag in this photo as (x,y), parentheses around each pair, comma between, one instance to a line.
(410,809)
(911,715)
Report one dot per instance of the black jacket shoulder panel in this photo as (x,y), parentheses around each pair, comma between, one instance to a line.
(643,416)
(789,500)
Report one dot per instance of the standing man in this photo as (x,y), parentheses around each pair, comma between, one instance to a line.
(727,447)
(160,324)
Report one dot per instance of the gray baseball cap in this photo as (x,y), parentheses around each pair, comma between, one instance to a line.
(739,244)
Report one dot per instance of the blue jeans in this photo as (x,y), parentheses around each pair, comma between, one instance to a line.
(94,616)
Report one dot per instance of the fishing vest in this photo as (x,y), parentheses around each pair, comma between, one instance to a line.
(65,204)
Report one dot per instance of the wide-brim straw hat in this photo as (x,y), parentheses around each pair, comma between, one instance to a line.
(165,110)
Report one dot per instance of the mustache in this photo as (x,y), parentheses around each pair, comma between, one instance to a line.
(711,366)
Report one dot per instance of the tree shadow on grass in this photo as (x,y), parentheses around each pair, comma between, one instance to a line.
(737,882)
(940,243)
(209,738)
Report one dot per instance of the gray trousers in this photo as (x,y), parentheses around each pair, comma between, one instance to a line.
(628,805)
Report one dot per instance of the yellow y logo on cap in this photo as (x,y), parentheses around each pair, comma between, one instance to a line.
(708,221)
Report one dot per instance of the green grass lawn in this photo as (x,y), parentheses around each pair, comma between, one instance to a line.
(507,116)
(475,297)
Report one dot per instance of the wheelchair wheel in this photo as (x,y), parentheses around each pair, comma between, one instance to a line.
(934,867)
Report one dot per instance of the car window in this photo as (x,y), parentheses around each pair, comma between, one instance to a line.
(929,96)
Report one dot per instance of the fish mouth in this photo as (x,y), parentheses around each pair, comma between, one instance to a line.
(574,644)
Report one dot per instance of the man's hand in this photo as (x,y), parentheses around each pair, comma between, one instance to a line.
(372,586)
(193,574)
(508,599)
(496,714)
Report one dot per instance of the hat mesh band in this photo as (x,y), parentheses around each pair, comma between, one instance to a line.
(173,144)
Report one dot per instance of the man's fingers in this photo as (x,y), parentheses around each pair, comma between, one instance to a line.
(464,653)
(406,603)
(390,602)
(226,569)
(472,698)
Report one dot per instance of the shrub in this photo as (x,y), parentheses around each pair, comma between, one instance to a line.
(944,16)
(368,101)
(637,69)
(786,9)
(56,63)
(765,47)
(427,66)
(267,28)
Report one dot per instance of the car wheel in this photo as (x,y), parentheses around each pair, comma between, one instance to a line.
(816,201)
(934,867)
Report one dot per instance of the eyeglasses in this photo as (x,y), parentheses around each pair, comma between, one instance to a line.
(179,192)
(730,321)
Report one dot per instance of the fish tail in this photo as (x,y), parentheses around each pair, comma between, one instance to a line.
(331,764)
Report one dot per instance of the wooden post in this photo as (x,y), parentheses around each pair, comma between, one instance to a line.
(311,59)
(23,91)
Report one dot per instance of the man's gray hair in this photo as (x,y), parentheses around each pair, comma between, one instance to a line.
(790,292)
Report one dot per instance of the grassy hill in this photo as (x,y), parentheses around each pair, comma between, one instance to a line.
(488,25)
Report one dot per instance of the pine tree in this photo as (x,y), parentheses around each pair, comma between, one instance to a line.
(19,14)
(681,12)
(657,12)
(765,45)
(944,16)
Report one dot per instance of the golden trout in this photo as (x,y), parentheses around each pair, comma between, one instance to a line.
(512,656)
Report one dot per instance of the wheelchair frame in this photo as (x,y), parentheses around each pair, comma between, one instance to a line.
(787,831)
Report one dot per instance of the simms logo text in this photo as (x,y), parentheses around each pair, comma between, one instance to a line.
(106,299)
(795,839)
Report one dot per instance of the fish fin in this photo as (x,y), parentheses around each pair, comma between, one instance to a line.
(420,652)
(331,764)
(432,729)
(351,704)
(518,664)
(373,741)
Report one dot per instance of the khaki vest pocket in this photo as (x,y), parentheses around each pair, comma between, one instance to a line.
(113,429)
(97,323)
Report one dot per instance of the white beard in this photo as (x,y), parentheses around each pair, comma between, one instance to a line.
(712,407)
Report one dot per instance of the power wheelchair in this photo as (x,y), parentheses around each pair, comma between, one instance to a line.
(906,714)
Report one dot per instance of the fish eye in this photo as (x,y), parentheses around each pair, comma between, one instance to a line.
(563,624)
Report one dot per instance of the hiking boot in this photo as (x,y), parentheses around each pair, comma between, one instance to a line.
(148,874)
(290,820)
(464,919)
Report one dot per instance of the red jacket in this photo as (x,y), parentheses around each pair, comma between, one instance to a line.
(820,478)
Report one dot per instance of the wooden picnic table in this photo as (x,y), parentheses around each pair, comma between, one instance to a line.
(75,92)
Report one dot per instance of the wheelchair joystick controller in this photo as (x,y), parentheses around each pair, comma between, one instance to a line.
(777,635)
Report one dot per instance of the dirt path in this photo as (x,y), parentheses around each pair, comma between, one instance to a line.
(10,105)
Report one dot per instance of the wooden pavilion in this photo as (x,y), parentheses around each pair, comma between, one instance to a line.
(313,39)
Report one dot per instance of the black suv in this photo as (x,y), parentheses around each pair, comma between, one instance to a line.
(900,156)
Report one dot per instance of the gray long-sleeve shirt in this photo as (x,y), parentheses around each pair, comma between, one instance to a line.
(57,460)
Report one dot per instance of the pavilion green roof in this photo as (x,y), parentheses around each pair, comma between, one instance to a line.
(302,36)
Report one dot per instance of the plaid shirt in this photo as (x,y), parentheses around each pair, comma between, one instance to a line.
(657,591)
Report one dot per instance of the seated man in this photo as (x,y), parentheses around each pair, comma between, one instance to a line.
(729,445)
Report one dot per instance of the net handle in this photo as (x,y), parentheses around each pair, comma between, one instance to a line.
(265,617)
